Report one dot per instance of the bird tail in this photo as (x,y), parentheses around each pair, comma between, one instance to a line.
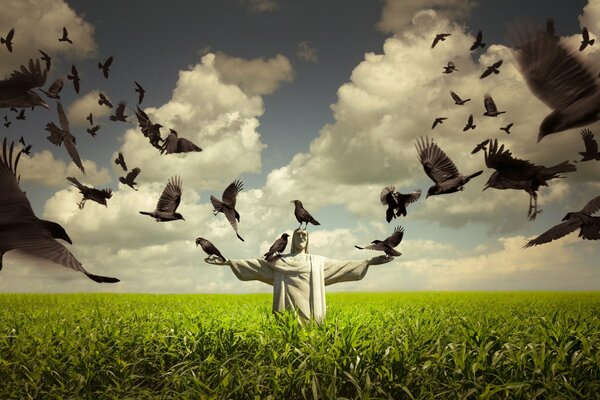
(393,252)
(101,279)
(360,248)
(591,42)
(239,237)
(146,213)
(314,221)
(75,182)
(474,175)
(565,166)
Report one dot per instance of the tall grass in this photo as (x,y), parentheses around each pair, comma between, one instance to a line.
(400,346)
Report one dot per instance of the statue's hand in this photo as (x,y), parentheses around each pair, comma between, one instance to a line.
(380,260)
(215,260)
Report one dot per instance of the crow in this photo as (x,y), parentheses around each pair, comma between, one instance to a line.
(26,148)
(16,91)
(106,66)
(388,244)
(277,248)
(302,215)
(589,226)
(513,173)
(209,248)
(457,99)
(74,76)
(585,42)
(438,120)
(440,169)
(168,202)
(490,107)
(61,135)
(8,39)
(20,229)
(129,179)
(396,202)
(21,115)
(65,36)
(120,160)
(450,68)
(469,124)
(90,118)
(172,144)
(439,37)
(149,129)
(227,204)
(93,130)
(591,146)
(47,59)
(492,69)
(6,121)
(119,113)
(102,100)
(140,90)
(507,128)
(54,89)
(90,193)
(478,41)
(480,146)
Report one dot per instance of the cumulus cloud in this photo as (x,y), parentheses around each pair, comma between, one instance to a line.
(260,6)
(78,110)
(255,76)
(306,52)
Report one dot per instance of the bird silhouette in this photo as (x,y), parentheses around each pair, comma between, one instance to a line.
(507,128)
(591,146)
(149,129)
(457,99)
(129,179)
(491,69)
(20,229)
(47,59)
(168,202)
(449,68)
(61,135)
(54,89)
(120,160)
(21,115)
(387,245)
(119,114)
(589,226)
(480,146)
(16,91)
(438,120)
(173,144)
(106,66)
(8,40)
(140,90)
(89,193)
(478,41)
(585,42)
(490,107)
(303,216)
(103,101)
(440,169)
(90,118)
(277,247)
(26,148)
(74,76)
(517,174)
(65,36)
(469,124)
(396,202)
(93,130)
(227,204)
(209,248)
(439,37)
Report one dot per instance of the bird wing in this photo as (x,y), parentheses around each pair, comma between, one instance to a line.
(555,75)
(387,196)
(10,35)
(24,79)
(592,206)
(490,106)
(65,33)
(62,117)
(591,146)
(56,135)
(555,232)
(68,140)
(170,144)
(231,192)
(184,146)
(131,175)
(171,196)
(435,162)
(455,96)
(585,34)
(410,197)
(120,111)
(108,62)
(395,238)
(13,202)
(497,64)
(56,86)
(144,122)
(500,159)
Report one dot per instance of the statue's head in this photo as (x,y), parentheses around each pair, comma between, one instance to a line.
(299,241)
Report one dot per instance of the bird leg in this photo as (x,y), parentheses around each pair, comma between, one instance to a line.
(215,212)
(82,203)
(533,210)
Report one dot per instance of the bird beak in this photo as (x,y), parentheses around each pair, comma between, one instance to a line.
(427,195)
(540,136)
(197,242)
(292,201)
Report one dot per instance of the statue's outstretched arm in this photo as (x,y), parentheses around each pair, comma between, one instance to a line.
(247,270)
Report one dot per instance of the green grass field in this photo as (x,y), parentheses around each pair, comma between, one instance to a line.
(392,345)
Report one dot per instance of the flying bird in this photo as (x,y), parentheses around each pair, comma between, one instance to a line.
(47,59)
(277,248)
(93,130)
(589,226)
(74,76)
(21,230)
(439,37)
(103,101)
(21,115)
(438,120)
(450,68)
(480,146)
(168,202)
(26,148)
(585,42)
(129,179)
(591,146)
(469,124)
(90,193)
(90,118)
(478,41)
(440,169)
(387,245)
(120,160)
(559,79)
(61,135)
(514,173)
(209,248)
(172,144)
(8,40)
(65,36)
(16,90)
(490,107)
(492,69)
(227,204)
(119,114)
(139,89)
(149,129)
(457,99)
(302,215)
(106,66)
(396,202)
(507,128)
(7,122)
(54,89)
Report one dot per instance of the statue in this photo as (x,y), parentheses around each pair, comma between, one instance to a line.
(299,278)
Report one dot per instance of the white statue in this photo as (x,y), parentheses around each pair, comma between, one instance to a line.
(299,278)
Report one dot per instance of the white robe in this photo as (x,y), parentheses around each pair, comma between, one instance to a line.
(299,281)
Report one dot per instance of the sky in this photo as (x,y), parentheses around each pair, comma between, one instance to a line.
(317,101)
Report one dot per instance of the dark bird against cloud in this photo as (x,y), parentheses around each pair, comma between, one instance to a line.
(449,68)
(173,144)
(387,245)
(492,69)
(168,202)
(47,59)
(65,36)
(89,193)
(277,247)
(209,248)
(457,99)
(103,101)
(74,76)
(119,114)
(480,146)
(507,128)
(585,39)
(16,91)
(591,146)
(58,136)
(439,37)
(227,204)
(120,160)
(8,39)
(106,66)
(438,120)
(490,107)
(140,90)
(396,202)
(478,41)
(129,179)
(469,124)
(149,129)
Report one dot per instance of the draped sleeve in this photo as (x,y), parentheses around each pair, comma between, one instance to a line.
(336,271)
(252,270)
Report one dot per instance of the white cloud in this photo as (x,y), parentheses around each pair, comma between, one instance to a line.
(78,110)
(306,52)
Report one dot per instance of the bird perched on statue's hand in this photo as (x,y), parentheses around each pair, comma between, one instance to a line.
(209,248)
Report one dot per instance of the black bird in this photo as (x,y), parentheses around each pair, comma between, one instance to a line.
(8,39)
(457,99)
(93,130)
(149,129)
(559,79)
(585,42)
(61,135)
(450,68)
(74,76)
(21,115)
(120,160)
(91,119)
(490,107)
(478,41)
(106,66)
(277,248)
(21,230)
(65,36)
(168,202)
(140,90)
(302,215)
(6,121)
(129,179)
(90,193)
(387,245)
(47,59)
(209,248)
(16,91)
(54,89)
(513,173)
(480,146)
(396,202)
(102,100)
(589,226)
(439,37)
(172,144)
(440,169)
(492,69)
(13,109)
(438,120)
(591,146)
(119,114)
(469,124)
(26,148)
(227,204)
(507,128)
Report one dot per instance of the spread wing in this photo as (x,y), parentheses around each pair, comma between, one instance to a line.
(490,106)
(171,196)
(386,197)
(184,146)
(144,122)
(56,134)
(62,118)
(120,111)
(231,192)
(591,146)
(455,96)
(556,232)
(409,197)
(500,159)
(13,202)
(170,144)
(68,140)
(24,79)
(592,206)
(131,175)
(396,237)
(435,162)
(554,74)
